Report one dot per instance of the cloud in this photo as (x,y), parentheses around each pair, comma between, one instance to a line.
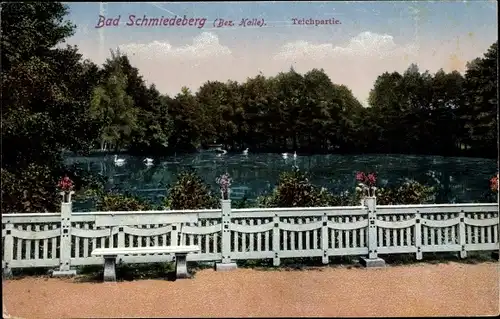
(358,62)
(205,45)
(365,44)
(355,63)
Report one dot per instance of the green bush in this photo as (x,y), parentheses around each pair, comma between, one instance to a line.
(87,184)
(190,192)
(410,192)
(346,199)
(122,202)
(32,190)
(295,190)
(242,203)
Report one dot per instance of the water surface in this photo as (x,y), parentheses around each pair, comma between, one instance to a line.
(457,180)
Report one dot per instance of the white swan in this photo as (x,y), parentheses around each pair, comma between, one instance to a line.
(148,161)
(245,152)
(294,154)
(284,155)
(119,161)
(220,151)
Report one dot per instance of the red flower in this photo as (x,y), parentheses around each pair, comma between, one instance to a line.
(367,180)
(371,179)
(361,177)
(65,184)
(494,183)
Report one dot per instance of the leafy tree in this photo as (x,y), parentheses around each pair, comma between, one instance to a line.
(153,126)
(46,94)
(481,105)
(32,29)
(187,119)
(113,108)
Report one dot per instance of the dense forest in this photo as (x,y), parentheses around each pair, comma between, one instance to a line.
(54,100)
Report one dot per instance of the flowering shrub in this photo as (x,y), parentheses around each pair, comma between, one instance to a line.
(366,184)
(224,182)
(65,184)
(494,183)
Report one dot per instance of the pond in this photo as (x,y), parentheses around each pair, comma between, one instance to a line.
(457,180)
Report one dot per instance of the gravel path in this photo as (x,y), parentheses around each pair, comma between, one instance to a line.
(416,290)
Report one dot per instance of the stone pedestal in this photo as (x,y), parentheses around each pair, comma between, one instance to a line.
(64,273)
(225,266)
(109,268)
(372,262)
(181,266)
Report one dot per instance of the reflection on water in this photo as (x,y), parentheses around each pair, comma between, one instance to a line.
(456,179)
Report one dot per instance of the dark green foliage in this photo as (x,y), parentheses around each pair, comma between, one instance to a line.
(88,185)
(242,203)
(45,103)
(113,108)
(122,202)
(34,191)
(410,192)
(191,192)
(295,190)
(346,199)
(481,107)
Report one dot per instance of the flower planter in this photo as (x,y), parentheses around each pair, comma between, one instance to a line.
(66,196)
(225,194)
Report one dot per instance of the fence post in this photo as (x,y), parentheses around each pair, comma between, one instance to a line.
(324,239)
(120,243)
(121,237)
(8,254)
(227,263)
(176,238)
(418,235)
(373,260)
(276,241)
(462,234)
(65,244)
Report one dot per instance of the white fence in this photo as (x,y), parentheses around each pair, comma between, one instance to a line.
(67,239)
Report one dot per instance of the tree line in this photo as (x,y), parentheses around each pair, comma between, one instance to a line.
(54,100)
(419,113)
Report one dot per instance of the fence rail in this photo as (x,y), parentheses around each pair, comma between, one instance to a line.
(225,235)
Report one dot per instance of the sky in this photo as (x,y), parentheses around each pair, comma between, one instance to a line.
(354,41)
